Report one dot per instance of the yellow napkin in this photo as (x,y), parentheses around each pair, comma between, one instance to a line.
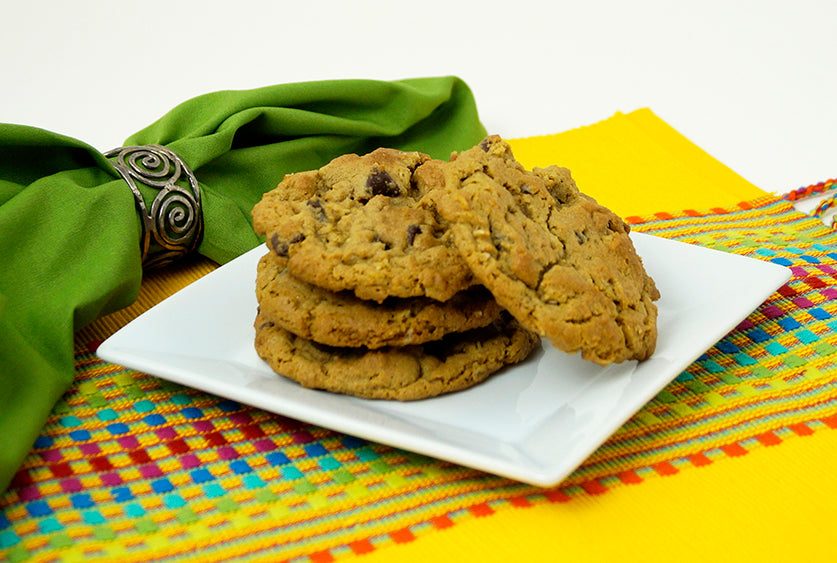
(637,164)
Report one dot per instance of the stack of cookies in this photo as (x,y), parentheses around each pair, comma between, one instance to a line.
(396,276)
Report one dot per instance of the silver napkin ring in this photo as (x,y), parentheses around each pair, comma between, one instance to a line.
(173,227)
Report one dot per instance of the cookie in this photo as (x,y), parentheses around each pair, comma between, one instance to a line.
(356,224)
(341,319)
(456,362)
(562,264)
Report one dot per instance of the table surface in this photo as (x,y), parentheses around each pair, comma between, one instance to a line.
(751,82)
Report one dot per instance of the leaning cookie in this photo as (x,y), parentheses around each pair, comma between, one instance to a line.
(456,362)
(341,319)
(562,264)
(355,225)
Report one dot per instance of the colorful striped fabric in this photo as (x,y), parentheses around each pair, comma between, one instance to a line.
(811,190)
(133,468)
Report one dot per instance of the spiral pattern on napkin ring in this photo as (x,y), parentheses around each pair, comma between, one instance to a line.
(173,227)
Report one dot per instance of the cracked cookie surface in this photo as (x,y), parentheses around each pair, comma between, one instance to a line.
(456,362)
(341,319)
(562,264)
(357,224)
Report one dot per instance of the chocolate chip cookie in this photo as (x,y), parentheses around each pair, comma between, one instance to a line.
(562,264)
(356,224)
(456,362)
(341,319)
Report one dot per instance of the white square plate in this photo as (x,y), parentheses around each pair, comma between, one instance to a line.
(534,422)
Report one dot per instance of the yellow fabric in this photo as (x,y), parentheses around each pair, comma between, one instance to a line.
(773,504)
(637,164)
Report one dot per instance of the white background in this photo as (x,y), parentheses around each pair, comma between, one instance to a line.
(751,82)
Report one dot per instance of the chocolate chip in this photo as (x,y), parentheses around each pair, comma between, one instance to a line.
(381,183)
(317,206)
(485,144)
(278,247)
(281,248)
(412,232)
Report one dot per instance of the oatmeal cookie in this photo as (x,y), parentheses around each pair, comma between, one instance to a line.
(341,319)
(456,362)
(355,224)
(562,264)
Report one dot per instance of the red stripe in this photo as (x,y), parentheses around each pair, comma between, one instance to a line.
(101,463)
(61,469)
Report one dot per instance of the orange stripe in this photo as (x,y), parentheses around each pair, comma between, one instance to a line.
(481,509)
(629,477)
(733,450)
(594,487)
(830,421)
(362,546)
(441,522)
(324,556)
(699,460)
(769,439)
(801,429)
(665,468)
(404,535)
(556,495)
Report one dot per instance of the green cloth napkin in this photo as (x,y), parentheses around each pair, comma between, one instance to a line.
(69,230)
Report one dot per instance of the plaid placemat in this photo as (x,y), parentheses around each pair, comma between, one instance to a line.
(133,468)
